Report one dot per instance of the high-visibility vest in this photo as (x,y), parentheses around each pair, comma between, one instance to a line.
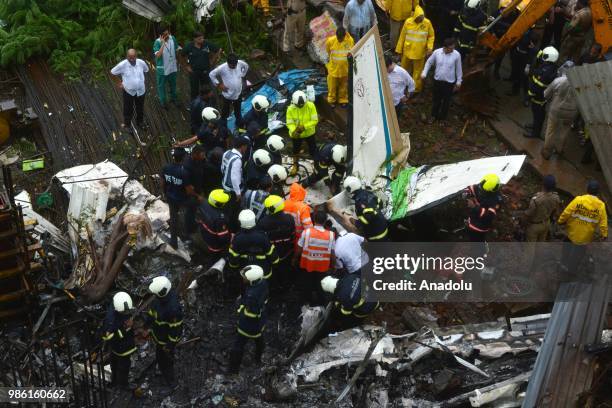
(300,212)
(415,39)
(306,116)
(338,51)
(317,249)
(230,159)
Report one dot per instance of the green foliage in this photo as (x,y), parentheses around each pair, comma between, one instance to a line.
(94,34)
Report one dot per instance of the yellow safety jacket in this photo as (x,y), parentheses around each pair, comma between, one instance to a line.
(415,39)
(337,66)
(305,116)
(399,10)
(582,217)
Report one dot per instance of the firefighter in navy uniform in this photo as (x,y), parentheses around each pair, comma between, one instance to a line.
(280,229)
(118,334)
(540,76)
(254,199)
(274,145)
(471,19)
(347,295)
(259,115)
(165,318)
(214,223)
(174,179)
(278,174)
(257,168)
(484,200)
(370,221)
(251,246)
(330,154)
(212,132)
(251,316)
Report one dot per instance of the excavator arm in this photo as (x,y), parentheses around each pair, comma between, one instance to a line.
(602,22)
(533,10)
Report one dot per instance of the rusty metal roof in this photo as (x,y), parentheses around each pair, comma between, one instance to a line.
(563,369)
(593,86)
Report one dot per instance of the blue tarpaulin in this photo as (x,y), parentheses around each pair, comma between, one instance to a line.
(292,80)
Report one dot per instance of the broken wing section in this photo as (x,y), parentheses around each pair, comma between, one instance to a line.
(417,189)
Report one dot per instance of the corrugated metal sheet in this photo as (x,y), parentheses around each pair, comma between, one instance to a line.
(593,85)
(563,370)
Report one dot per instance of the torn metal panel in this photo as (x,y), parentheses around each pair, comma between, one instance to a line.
(57,239)
(593,87)
(563,370)
(340,349)
(152,10)
(430,186)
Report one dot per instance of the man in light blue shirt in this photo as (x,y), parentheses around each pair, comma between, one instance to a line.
(359,17)
(165,49)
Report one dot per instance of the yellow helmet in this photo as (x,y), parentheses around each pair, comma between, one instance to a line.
(218,198)
(274,204)
(490,182)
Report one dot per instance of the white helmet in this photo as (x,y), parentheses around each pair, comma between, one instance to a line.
(262,157)
(550,54)
(275,143)
(122,302)
(339,154)
(209,114)
(252,273)
(277,173)
(247,219)
(472,3)
(298,98)
(352,184)
(328,284)
(160,286)
(260,103)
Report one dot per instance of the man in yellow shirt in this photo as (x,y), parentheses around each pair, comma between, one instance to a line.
(399,11)
(415,44)
(583,217)
(338,48)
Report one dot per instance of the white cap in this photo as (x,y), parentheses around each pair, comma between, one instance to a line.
(122,302)
(277,173)
(262,157)
(328,284)
(247,219)
(339,154)
(209,113)
(298,98)
(352,184)
(275,143)
(252,273)
(160,286)
(260,102)
(472,3)
(550,54)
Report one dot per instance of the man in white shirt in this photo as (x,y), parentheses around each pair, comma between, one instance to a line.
(447,77)
(132,82)
(359,17)
(229,78)
(400,82)
(346,247)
